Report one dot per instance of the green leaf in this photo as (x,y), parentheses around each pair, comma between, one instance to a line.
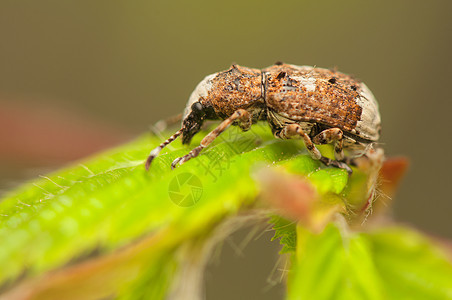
(391,263)
(410,266)
(285,230)
(329,267)
(102,213)
(105,227)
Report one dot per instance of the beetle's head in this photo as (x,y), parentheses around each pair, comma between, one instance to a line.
(197,110)
(219,95)
(192,123)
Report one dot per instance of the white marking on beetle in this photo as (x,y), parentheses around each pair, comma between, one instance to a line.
(307,82)
(303,68)
(368,126)
(201,90)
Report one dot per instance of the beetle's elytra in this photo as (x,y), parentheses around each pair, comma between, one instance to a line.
(320,106)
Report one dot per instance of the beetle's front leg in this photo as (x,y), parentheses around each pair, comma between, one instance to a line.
(241,115)
(295,131)
(332,135)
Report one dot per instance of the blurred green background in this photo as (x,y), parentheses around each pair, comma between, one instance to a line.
(79,76)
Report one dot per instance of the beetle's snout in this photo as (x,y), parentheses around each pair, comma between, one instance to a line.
(187,134)
(192,122)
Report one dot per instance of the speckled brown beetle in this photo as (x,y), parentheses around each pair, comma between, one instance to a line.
(320,106)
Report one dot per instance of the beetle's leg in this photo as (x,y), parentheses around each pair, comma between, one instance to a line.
(338,164)
(295,131)
(245,121)
(157,150)
(332,135)
(240,115)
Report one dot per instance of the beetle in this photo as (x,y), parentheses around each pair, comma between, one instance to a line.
(319,106)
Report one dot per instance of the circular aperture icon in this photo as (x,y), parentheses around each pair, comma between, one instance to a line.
(185,189)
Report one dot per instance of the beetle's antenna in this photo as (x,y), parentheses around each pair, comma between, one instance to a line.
(164,124)
(157,150)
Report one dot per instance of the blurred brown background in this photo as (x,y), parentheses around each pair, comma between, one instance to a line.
(79,76)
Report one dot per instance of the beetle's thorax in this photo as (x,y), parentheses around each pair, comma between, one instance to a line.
(236,88)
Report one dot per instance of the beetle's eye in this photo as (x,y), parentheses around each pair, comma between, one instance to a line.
(196,107)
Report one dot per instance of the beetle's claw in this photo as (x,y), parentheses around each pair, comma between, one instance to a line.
(337,164)
(176,162)
(342,165)
(346,167)
(149,160)
(180,161)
